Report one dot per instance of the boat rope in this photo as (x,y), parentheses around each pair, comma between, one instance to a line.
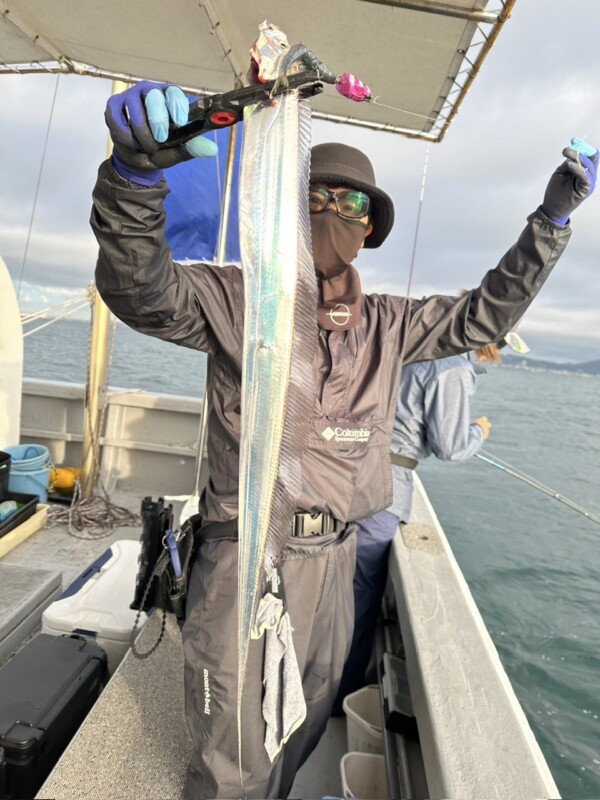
(535,484)
(26,318)
(37,188)
(67,313)
(94,517)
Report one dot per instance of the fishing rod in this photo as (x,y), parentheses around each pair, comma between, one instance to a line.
(522,476)
(418,223)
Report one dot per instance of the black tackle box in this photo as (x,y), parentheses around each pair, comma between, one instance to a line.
(26,507)
(46,690)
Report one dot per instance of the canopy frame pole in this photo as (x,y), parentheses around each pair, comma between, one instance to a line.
(220,260)
(97,373)
(507,7)
(218,30)
(432,7)
(226,202)
(37,39)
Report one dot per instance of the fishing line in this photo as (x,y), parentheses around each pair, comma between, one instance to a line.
(535,484)
(375,101)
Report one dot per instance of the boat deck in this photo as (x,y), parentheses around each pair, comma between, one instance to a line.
(134,742)
(145,747)
(473,737)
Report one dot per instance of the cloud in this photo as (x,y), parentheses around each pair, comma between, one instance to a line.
(54,257)
(45,196)
(545,318)
(536,89)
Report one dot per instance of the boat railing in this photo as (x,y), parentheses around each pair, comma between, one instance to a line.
(475,738)
(148,442)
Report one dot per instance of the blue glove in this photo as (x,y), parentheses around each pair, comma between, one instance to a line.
(572,182)
(138,121)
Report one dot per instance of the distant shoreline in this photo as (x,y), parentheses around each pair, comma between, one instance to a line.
(587,368)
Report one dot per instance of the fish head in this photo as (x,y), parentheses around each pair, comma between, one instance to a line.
(266,52)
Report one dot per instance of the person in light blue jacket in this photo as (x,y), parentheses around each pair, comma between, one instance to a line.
(432,417)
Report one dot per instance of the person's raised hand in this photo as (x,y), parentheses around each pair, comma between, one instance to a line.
(138,120)
(572,182)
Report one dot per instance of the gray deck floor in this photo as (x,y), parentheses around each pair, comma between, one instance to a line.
(134,743)
(54,548)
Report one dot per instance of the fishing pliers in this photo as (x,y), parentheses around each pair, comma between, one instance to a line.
(222,110)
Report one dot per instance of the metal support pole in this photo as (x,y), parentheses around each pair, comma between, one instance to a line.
(444,9)
(226,203)
(96,380)
(220,257)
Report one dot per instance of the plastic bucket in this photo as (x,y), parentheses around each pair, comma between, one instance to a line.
(26,457)
(5,459)
(363,720)
(29,470)
(364,776)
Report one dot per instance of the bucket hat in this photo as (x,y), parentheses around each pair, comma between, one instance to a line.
(340,164)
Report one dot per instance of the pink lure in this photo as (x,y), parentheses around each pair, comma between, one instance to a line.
(351,87)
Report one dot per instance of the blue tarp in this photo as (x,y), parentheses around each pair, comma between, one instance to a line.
(194,205)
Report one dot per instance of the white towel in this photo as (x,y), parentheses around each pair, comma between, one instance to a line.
(284,707)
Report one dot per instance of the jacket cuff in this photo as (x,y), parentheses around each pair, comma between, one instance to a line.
(119,180)
(547,222)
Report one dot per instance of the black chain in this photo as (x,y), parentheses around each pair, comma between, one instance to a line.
(187,540)
(158,570)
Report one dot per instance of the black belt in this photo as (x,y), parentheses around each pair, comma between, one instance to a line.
(302,525)
(315,524)
(403,461)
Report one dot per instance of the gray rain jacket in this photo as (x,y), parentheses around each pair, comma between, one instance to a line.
(346,467)
(433,416)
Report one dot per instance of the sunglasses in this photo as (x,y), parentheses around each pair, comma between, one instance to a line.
(349,203)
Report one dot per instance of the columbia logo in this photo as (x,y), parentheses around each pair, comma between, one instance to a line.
(346,434)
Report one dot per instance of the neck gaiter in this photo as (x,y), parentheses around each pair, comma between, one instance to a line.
(335,244)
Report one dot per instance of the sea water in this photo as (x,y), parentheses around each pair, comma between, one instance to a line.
(532,564)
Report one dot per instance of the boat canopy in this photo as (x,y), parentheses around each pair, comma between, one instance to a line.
(419,56)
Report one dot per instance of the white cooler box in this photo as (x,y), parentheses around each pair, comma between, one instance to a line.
(96,604)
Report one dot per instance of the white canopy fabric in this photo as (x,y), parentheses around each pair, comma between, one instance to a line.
(419,56)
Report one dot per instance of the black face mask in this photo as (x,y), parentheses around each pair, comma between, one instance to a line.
(335,242)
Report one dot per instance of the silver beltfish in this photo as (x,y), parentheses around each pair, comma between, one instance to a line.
(280,340)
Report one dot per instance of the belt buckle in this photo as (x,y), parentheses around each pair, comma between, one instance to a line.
(306,525)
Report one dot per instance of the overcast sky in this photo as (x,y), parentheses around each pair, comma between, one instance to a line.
(539,86)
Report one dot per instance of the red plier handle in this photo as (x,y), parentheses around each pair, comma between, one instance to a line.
(223,110)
